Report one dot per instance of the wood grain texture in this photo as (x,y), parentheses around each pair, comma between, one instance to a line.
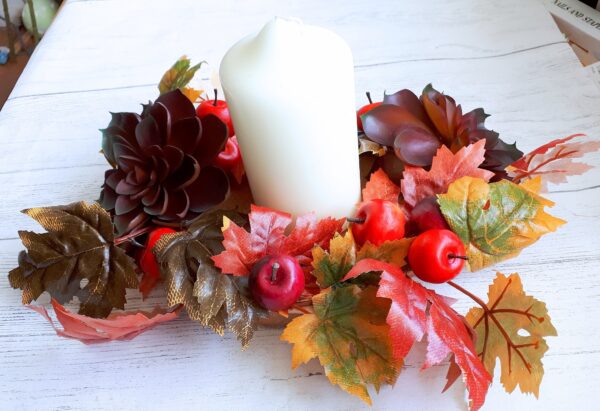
(106,55)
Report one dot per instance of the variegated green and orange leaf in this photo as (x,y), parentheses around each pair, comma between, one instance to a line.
(508,311)
(349,335)
(329,267)
(496,221)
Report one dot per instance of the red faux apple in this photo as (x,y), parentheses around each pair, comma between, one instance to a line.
(276,282)
(426,215)
(436,256)
(378,221)
(148,262)
(217,108)
(230,156)
(364,109)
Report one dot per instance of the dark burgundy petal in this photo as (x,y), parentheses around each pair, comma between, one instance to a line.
(186,134)
(126,223)
(151,196)
(147,133)
(160,205)
(213,140)
(185,175)
(408,101)
(163,120)
(178,105)
(108,198)
(178,205)
(126,122)
(382,123)
(174,156)
(210,188)
(416,146)
(112,178)
(124,188)
(125,204)
(141,175)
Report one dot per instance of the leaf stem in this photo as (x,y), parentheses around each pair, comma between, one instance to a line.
(356,220)
(469,294)
(132,235)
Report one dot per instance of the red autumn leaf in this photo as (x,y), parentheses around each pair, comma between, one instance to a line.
(381,187)
(554,161)
(269,236)
(416,311)
(117,326)
(417,183)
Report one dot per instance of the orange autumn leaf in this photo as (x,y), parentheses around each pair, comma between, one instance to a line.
(118,326)
(447,167)
(553,161)
(381,187)
(499,324)
(350,337)
(272,232)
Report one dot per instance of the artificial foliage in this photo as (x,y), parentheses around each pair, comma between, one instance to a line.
(363,307)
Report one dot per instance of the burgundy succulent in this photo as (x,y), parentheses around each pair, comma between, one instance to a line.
(162,164)
(416,128)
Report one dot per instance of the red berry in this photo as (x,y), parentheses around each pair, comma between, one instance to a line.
(217,108)
(230,156)
(378,221)
(364,109)
(148,263)
(276,282)
(436,256)
(426,215)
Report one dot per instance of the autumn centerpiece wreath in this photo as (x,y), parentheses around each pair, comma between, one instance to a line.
(440,191)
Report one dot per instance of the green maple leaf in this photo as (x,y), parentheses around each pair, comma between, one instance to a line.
(495,221)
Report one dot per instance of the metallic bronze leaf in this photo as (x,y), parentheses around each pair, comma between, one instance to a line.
(214,299)
(78,245)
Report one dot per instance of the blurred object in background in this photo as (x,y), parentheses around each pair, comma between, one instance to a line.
(44,12)
(20,31)
(592,3)
(580,23)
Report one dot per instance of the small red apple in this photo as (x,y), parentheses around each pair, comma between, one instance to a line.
(217,108)
(276,282)
(230,156)
(426,215)
(378,221)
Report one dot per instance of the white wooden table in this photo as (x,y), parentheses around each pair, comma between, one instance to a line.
(506,56)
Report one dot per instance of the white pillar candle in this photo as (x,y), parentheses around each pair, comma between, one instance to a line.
(290,91)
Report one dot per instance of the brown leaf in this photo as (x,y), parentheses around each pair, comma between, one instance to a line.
(79,245)
(210,297)
(380,186)
(119,326)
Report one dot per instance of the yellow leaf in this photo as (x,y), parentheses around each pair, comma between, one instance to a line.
(393,252)
(330,267)
(191,93)
(512,328)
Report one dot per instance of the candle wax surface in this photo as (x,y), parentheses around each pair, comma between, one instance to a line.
(290,91)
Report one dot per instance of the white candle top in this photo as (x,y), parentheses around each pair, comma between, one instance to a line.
(290,89)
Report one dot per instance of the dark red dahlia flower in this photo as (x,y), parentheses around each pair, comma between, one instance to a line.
(162,164)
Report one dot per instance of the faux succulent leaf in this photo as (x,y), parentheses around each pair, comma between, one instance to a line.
(446,167)
(78,248)
(382,123)
(495,221)
(380,186)
(416,311)
(272,232)
(118,326)
(178,76)
(553,161)
(210,297)
(349,335)
(508,311)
